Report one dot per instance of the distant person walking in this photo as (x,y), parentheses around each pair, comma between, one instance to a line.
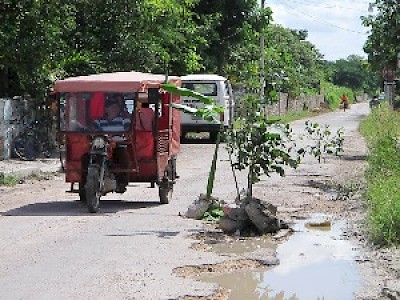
(345,102)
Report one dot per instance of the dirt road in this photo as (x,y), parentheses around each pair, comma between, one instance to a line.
(50,247)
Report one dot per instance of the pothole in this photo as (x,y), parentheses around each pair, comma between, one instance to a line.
(226,266)
(316,262)
(336,191)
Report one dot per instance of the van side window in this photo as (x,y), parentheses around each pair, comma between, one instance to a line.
(207,88)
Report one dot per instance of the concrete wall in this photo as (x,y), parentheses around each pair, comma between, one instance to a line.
(13,116)
(287,104)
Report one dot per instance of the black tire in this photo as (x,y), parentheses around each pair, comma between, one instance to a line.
(92,189)
(166,185)
(24,148)
(82,192)
(29,148)
(165,192)
(213,136)
(18,148)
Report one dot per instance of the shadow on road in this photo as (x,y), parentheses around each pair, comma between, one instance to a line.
(196,141)
(354,157)
(158,233)
(76,208)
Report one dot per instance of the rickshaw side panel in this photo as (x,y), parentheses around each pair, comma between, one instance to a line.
(77,146)
(168,143)
(148,172)
(145,148)
(175,142)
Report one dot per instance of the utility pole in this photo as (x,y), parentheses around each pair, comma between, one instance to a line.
(262,57)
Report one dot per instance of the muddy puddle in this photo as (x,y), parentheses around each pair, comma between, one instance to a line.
(315,263)
(243,246)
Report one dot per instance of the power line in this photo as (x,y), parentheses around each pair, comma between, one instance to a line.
(303,13)
(327,6)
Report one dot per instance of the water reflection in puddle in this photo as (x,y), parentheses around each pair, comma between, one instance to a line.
(315,263)
(242,246)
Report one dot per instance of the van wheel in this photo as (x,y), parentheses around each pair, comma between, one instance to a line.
(213,136)
(183,136)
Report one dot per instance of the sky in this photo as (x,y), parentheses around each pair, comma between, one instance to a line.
(334,26)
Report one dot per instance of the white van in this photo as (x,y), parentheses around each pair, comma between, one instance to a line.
(215,86)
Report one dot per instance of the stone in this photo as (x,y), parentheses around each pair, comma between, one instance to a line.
(262,218)
(197,209)
(230,226)
(237,213)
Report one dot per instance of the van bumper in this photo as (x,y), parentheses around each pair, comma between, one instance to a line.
(199,128)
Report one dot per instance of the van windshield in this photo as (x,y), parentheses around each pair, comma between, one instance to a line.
(205,88)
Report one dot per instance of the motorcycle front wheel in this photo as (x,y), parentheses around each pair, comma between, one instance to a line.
(92,189)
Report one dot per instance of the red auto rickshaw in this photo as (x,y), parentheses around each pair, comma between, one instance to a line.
(118,128)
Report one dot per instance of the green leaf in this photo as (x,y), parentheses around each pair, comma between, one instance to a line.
(173,89)
(217,212)
(184,108)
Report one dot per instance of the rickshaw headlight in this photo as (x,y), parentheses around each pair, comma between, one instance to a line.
(99,142)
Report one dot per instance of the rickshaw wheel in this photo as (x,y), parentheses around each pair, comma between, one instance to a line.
(165,192)
(82,192)
(92,188)
(166,185)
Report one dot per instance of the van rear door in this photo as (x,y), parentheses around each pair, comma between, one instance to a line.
(214,86)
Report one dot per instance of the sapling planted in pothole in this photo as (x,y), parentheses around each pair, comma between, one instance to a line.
(261,146)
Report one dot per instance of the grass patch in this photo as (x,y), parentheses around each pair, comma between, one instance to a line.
(8,180)
(381,130)
(333,93)
(293,116)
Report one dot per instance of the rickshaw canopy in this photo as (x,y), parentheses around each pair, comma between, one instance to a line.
(125,82)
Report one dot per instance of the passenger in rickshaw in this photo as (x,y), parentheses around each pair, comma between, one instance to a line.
(144,126)
(144,118)
(113,120)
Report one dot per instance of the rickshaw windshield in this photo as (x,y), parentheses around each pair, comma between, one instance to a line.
(96,111)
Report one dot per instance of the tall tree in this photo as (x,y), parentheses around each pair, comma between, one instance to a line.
(383,43)
(135,35)
(354,73)
(27,39)
(292,64)
(226,22)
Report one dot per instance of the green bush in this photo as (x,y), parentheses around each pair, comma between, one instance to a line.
(333,93)
(381,130)
(384,209)
(8,180)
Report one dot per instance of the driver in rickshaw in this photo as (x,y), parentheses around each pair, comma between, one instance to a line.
(113,120)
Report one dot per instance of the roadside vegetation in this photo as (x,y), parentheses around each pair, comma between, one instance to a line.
(194,36)
(297,115)
(333,93)
(8,180)
(382,133)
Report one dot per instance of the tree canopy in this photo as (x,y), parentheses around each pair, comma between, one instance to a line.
(383,43)
(44,40)
(355,73)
